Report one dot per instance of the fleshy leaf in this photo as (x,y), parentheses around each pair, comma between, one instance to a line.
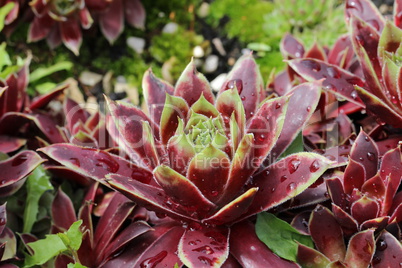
(173,109)
(95,163)
(280,236)
(285,179)
(388,251)
(291,47)
(203,106)
(364,151)
(338,81)
(209,171)
(180,152)
(9,144)
(361,249)
(364,209)
(206,247)
(354,177)
(252,92)
(365,10)
(62,202)
(249,251)
(192,84)
(71,34)
(134,13)
(309,257)
(112,21)
(155,90)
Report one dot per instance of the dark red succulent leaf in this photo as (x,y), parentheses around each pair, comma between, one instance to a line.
(16,169)
(327,234)
(42,101)
(336,80)
(74,114)
(204,247)
(134,13)
(388,251)
(249,251)
(364,209)
(291,48)
(361,249)
(365,152)
(341,53)
(111,21)
(62,202)
(398,13)
(309,257)
(354,177)
(367,11)
(316,52)
(349,225)
(10,144)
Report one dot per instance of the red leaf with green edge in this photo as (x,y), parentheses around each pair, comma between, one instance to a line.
(95,163)
(390,72)
(364,209)
(308,257)
(40,28)
(180,152)
(85,18)
(134,13)
(390,173)
(54,39)
(42,101)
(374,187)
(266,126)
(341,53)
(192,84)
(15,169)
(378,223)
(398,13)
(349,225)
(209,171)
(249,251)
(3,217)
(62,202)
(336,192)
(354,177)
(183,191)
(10,144)
(204,107)
(71,35)
(380,108)
(112,21)
(388,251)
(74,113)
(291,47)
(336,264)
(119,209)
(234,209)
(83,139)
(155,90)
(327,233)
(8,239)
(364,151)
(365,10)
(205,247)
(174,108)
(285,179)
(316,52)
(396,213)
(152,249)
(252,92)
(360,249)
(241,169)
(337,81)
(150,145)
(133,231)
(302,102)
(311,196)
(148,196)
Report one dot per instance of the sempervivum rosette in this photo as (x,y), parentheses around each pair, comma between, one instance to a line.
(201,165)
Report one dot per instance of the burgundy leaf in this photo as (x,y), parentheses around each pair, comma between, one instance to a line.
(338,81)
(15,169)
(303,102)
(3,217)
(374,187)
(42,100)
(316,52)
(249,251)
(291,48)
(252,92)
(286,179)
(40,27)
(10,144)
(155,90)
(112,21)
(364,209)
(74,113)
(205,247)
(365,152)
(398,13)
(312,258)
(341,53)
(348,224)
(327,234)
(192,84)
(95,163)
(365,10)
(337,192)
(134,13)
(62,202)
(71,34)
(388,251)
(378,223)
(355,175)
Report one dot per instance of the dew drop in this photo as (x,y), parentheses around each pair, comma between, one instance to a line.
(381,245)
(376,260)
(273,190)
(353,95)
(333,72)
(75,161)
(314,166)
(243,98)
(311,64)
(291,187)
(2,221)
(308,109)
(278,105)
(361,159)
(370,156)
(238,83)
(293,165)
(206,261)
(214,193)
(284,178)
(205,249)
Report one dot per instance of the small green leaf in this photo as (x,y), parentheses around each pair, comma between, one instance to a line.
(75,265)
(4,12)
(45,87)
(295,147)
(42,72)
(280,236)
(74,235)
(176,266)
(55,244)
(37,183)
(4,57)
(44,250)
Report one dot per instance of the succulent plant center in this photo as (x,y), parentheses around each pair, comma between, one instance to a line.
(65,7)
